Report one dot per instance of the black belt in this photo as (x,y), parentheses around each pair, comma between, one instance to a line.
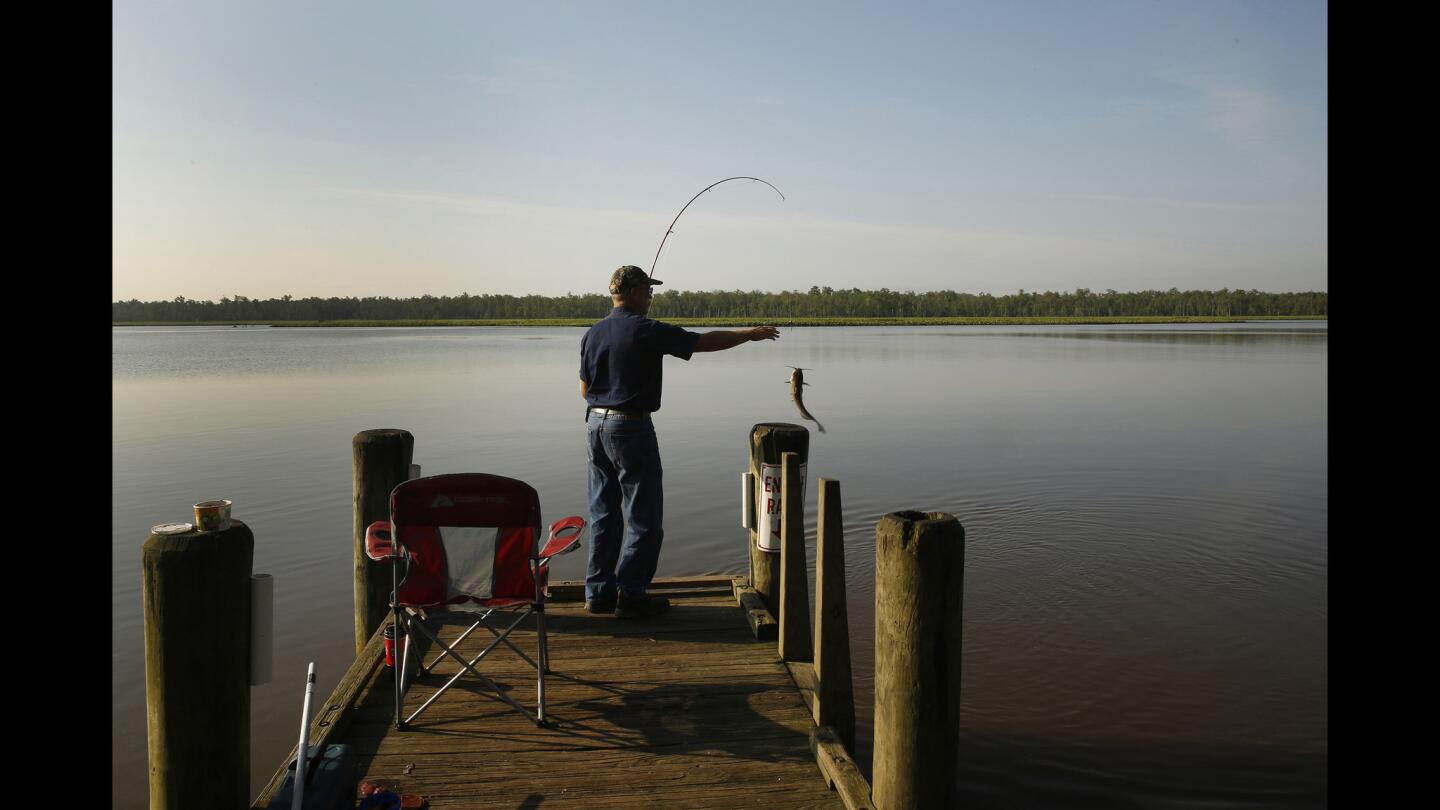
(616,411)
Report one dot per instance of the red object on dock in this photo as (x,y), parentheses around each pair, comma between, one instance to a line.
(378,545)
(390,646)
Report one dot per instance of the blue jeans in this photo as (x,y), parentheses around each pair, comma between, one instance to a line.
(626,505)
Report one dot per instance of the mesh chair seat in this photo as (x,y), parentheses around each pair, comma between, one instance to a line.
(469,542)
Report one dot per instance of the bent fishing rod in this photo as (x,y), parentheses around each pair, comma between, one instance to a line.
(671,229)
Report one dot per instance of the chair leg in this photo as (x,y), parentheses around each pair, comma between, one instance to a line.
(544,663)
(403,659)
(425,670)
(398,625)
(469,666)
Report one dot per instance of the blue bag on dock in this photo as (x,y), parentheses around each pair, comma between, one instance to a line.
(330,783)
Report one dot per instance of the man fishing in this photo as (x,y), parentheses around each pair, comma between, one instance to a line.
(620,375)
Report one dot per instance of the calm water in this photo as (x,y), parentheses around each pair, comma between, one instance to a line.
(1145,510)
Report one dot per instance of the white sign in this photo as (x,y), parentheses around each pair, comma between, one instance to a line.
(767,506)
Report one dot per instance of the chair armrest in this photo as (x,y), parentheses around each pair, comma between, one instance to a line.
(378,544)
(564,537)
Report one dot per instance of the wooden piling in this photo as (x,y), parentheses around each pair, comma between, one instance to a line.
(768,440)
(795,644)
(919,589)
(835,694)
(196,604)
(381,461)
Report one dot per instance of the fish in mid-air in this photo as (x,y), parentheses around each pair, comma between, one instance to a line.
(797,381)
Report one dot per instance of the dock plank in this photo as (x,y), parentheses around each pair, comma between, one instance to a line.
(686,710)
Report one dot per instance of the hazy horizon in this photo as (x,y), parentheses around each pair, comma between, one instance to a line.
(732,289)
(364,149)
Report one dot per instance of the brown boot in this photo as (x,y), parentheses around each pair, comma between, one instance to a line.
(641,608)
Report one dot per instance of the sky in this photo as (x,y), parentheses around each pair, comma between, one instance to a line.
(403,149)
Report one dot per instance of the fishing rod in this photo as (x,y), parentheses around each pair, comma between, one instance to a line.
(302,751)
(671,229)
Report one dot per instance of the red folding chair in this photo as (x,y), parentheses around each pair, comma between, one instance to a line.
(467,543)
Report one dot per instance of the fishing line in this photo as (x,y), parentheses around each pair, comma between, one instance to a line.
(671,229)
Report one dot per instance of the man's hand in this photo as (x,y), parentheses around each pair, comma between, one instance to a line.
(723,339)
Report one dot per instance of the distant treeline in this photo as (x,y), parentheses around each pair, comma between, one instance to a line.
(816,302)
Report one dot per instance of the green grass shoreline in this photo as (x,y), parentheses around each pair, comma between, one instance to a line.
(552,322)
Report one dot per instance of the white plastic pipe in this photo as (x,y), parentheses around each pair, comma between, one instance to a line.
(262,628)
(302,753)
(747,500)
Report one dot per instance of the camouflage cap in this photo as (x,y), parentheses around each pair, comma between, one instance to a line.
(629,277)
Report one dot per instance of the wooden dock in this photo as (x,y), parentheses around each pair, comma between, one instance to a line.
(716,703)
(687,710)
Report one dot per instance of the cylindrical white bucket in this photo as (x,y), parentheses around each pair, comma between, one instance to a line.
(747,500)
(262,628)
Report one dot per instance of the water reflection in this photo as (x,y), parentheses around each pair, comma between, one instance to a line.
(1273,338)
(1017,771)
(1145,511)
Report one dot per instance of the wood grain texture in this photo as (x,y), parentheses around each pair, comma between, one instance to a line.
(684,710)
(919,590)
(380,461)
(840,769)
(196,606)
(795,639)
(836,704)
(768,440)
(762,624)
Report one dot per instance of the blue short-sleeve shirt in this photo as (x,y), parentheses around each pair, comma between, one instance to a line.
(620,359)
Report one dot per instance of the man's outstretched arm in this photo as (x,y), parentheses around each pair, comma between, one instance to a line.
(723,339)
